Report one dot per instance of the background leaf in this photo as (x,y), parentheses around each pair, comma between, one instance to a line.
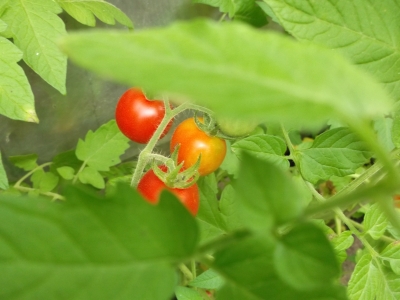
(265,147)
(91,176)
(364,31)
(101,149)
(16,97)
(336,152)
(3,176)
(44,181)
(84,11)
(104,248)
(371,281)
(36,29)
(375,221)
(262,75)
(26,162)
(341,243)
(185,293)
(209,280)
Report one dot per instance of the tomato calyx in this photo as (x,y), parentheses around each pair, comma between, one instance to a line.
(173,174)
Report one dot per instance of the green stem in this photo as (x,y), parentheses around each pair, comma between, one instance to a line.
(345,197)
(146,154)
(186,273)
(27,175)
(193,268)
(288,142)
(345,220)
(54,196)
(222,18)
(77,173)
(382,238)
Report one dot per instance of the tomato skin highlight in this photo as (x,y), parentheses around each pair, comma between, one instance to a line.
(137,117)
(194,142)
(150,187)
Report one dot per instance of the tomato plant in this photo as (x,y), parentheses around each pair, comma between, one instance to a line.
(194,143)
(138,117)
(314,180)
(150,187)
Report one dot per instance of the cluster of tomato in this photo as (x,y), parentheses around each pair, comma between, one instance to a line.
(138,118)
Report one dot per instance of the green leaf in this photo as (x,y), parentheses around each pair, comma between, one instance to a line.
(94,248)
(265,147)
(91,176)
(84,11)
(392,254)
(63,159)
(370,40)
(375,222)
(265,194)
(231,162)
(341,243)
(372,281)
(383,127)
(16,97)
(44,181)
(262,75)
(250,274)
(66,172)
(36,29)
(336,152)
(396,127)
(230,209)
(209,280)
(185,293)
(267,9)
(26,162)
(251,13)
(3,176)
(101,149)
(3,26)
(209,217)
(225,6)
(305,259)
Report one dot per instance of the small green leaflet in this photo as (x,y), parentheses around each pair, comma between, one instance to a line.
(44,181)
(101,149)
(185,293)
(375,222)
(209,280)
(391,254)
(91,176)
(336,152)
(366,31)
(265,147)
(3,176)
(16,97)
(118,247)
(36,29)
(341,243)
(244,10)
(84,11)
(262,75)
(26,162)
(371,281)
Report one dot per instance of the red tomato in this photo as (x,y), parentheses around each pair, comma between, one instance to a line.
(137,117)
(194,142)
(150,187)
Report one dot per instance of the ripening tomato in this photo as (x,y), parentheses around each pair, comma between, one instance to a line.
(150,187)
(137,117)
(194,142)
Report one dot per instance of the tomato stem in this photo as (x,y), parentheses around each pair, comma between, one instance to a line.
(146,154)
